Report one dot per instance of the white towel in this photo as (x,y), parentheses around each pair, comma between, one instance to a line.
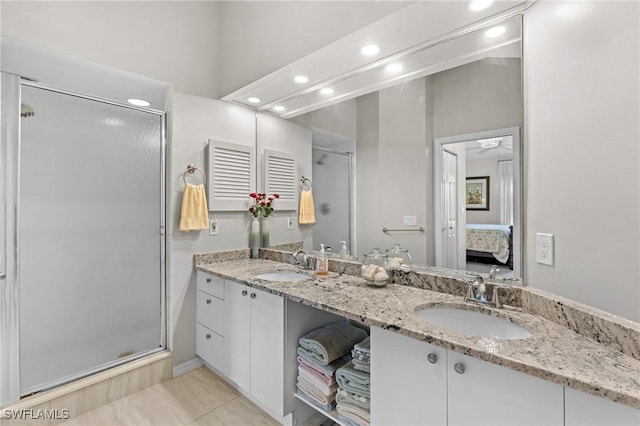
(307,213)
(194,214)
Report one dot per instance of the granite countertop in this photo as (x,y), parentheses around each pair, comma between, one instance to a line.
(553,353)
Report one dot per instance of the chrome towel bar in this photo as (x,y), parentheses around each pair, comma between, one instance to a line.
(421,229)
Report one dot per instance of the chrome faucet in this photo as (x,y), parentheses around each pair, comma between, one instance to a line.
(492,273)
(479,298)
(306,260)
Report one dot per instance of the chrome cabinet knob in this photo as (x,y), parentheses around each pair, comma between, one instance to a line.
(244,292)
(208,301)
(253,295)
(459,368)
(208,280)
(432,358)
(208,336)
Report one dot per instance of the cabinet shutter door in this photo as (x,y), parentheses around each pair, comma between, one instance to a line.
(280,178)
(231,176)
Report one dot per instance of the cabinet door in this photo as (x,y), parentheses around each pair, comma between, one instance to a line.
(488,394)
(267,350)
(237,333)
(210,347)
(408,381)
(582,409)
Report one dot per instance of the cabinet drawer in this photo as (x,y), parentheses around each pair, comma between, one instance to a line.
(210,347)
(210,284)
(210,312)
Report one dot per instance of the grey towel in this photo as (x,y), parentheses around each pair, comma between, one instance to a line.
(354,381)
(330,342)
(328,370)
(345,398)
(361,366)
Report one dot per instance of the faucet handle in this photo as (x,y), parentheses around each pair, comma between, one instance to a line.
(494,297)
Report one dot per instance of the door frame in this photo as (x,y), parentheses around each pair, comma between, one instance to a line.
(439,144)
(443,226)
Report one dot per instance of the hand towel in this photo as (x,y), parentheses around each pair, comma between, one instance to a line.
(325,407)
(317,376)
(327,370)
(355,414)
(354,381)
(362,351)
(331,342)
(361,366)
(347,421)
(326,390)
(345,398)
(194,214)
(307,213)
(313,393)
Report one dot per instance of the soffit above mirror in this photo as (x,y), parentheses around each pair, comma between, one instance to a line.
(413,38)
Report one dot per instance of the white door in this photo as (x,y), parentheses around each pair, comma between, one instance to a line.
(449,210)
(481,393)
(267,350)
(408,381)
(237,332)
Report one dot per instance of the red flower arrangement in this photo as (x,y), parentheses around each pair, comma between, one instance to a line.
(262,205)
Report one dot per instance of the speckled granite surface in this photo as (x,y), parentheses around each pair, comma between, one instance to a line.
(554,352)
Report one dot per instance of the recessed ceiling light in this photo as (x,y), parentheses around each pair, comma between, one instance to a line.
(139,102)
(495,31)
(279,108)
(479,4)
(370,50)
(326,91)
(301,79)
(395,67)
(254,100)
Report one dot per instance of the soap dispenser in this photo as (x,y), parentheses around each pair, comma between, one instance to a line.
(322,264)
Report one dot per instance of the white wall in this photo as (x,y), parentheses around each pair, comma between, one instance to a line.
(172,41)
(582,150)
(486,168)
(259,37)
(194,121)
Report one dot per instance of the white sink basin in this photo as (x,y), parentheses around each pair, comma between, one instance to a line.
(283,276)
(473,323)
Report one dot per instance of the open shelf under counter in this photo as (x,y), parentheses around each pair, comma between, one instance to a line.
(333,414)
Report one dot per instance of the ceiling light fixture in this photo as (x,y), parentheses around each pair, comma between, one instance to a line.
(370,50)
(477,5)
(254,100)
(495,31)
(139,102)
(301,79)
(490,142)
(326,91)
(395,67)
(279,108)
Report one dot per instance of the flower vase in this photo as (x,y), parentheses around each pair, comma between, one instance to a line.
(254,238)
(266,232)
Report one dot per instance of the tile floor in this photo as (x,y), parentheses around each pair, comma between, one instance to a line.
(197,398)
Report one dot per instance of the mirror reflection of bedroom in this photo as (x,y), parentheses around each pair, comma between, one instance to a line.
(479,200)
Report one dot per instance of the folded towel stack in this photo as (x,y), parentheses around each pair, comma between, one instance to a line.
(320,354)
(361,353)
(354,391)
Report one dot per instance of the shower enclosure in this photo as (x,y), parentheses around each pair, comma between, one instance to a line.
(82,213)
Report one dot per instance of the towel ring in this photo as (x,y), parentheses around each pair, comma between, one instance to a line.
(303,181)
(191,170)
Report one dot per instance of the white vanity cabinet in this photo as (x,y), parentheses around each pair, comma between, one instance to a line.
(254,342)
(408,381)
(210,316)
(416,383)
(582,409)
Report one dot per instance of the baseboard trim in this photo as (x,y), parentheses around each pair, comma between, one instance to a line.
(185,367)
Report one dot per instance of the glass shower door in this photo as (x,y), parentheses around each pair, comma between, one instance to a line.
(90,236)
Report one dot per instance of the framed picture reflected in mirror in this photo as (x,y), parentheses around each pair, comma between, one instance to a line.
(477,193)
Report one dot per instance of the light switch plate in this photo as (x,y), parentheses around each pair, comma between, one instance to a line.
(213,227)
(289,222)
(410,220)
(544,249)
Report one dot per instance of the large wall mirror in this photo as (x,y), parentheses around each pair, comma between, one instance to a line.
(406,154)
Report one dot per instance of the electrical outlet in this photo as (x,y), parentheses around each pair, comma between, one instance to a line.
(544,249)
(213,227)
(289,222)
